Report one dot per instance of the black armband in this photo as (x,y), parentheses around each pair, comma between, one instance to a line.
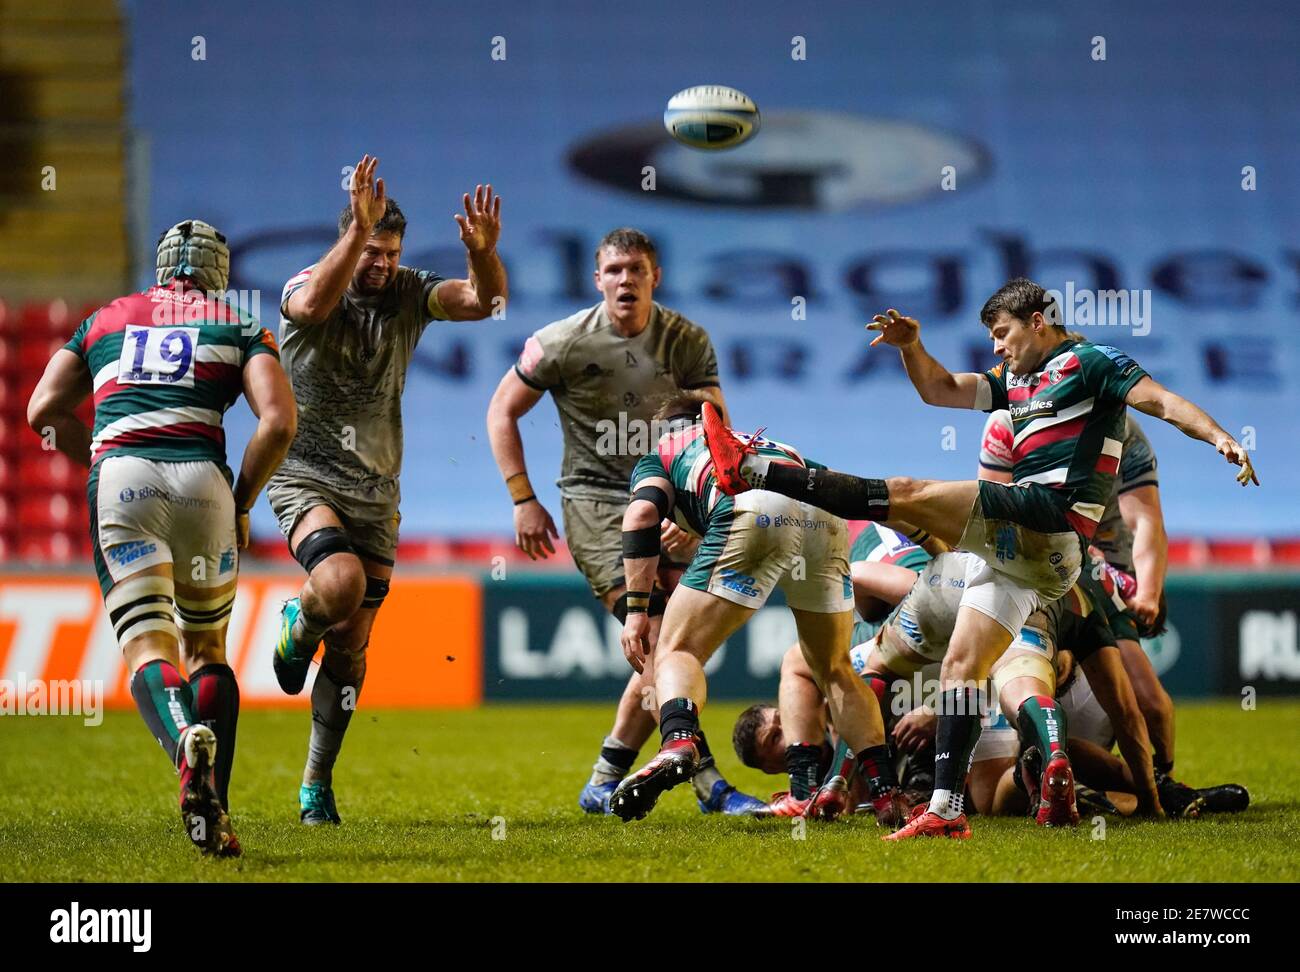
(641,543)
(655,495)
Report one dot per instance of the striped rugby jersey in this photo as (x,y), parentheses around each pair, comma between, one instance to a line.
(166,363)
(1068,416)
(683,459)
(879,544)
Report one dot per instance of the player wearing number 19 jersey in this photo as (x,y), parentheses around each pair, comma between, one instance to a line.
(163,366)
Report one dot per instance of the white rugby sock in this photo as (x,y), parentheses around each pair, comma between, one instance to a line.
(946,804)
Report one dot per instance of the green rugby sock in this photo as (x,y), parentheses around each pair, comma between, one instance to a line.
(165,702)
(1041,720)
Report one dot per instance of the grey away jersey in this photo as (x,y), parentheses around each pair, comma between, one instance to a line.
(348,373)
(607,388)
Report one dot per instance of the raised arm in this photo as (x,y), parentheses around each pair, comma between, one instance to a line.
(533,524)
(313,302)
(935,383)
(485,289)
(1153,398)
(271,399)
(64,385)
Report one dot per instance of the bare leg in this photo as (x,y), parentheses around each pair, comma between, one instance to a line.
(1156,705)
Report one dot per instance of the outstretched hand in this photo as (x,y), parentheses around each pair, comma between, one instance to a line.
(481,225)
(1231,450)
(895,329)
(366,194)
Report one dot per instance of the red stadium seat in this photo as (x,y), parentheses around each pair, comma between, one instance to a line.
(8,520)
(47,318)
(1239,553)
(58,547)
(48,513)
(49,470)
(1286,552)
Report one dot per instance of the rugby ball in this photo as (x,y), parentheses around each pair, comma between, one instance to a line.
(711,116)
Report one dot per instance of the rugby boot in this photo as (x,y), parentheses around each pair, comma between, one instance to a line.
(1056,803)
(930,824)
(1225,798)
(290,666)
(316,804)
(206,822)
(637,794)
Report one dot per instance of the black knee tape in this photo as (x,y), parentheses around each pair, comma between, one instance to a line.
(322,543)
(376,591)
(658,604)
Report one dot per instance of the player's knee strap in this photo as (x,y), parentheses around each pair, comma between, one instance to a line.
(655,495)
(205,614)
(140,604)
(322,543)
(1025,666)
(641,543)
(376,591)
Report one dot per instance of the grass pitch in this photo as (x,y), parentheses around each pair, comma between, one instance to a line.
(490,795)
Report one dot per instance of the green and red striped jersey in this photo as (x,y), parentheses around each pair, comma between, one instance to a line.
(879,544)
(1068,416)
(166,363)
(683,459)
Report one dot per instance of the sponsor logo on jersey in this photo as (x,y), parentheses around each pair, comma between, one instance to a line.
(763,520)
(227,561)
(127,495)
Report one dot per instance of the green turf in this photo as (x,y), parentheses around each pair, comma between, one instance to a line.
(422,794)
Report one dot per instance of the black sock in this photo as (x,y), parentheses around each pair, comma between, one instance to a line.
(835,492)
(618,757)
(216,705)
(702,744)
(803,763)
(163,698)
(679,719)
(877,765)
(955,737)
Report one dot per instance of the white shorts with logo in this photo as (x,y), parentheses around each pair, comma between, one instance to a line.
(772,541)
(925,619)
(147,512)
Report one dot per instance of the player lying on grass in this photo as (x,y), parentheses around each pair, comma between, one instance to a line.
(1023,681)
(164,365)
(749,546)
(609,366)
(349,327)
(1067,401)
(1092,739)
(1131,538)
(883,564)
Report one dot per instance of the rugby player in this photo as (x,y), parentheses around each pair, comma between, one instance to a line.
(608,368)
(749,546)
(1069,403)
(349,326)
(1131,537)
(163,366)
(1023,681)
(792,736)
